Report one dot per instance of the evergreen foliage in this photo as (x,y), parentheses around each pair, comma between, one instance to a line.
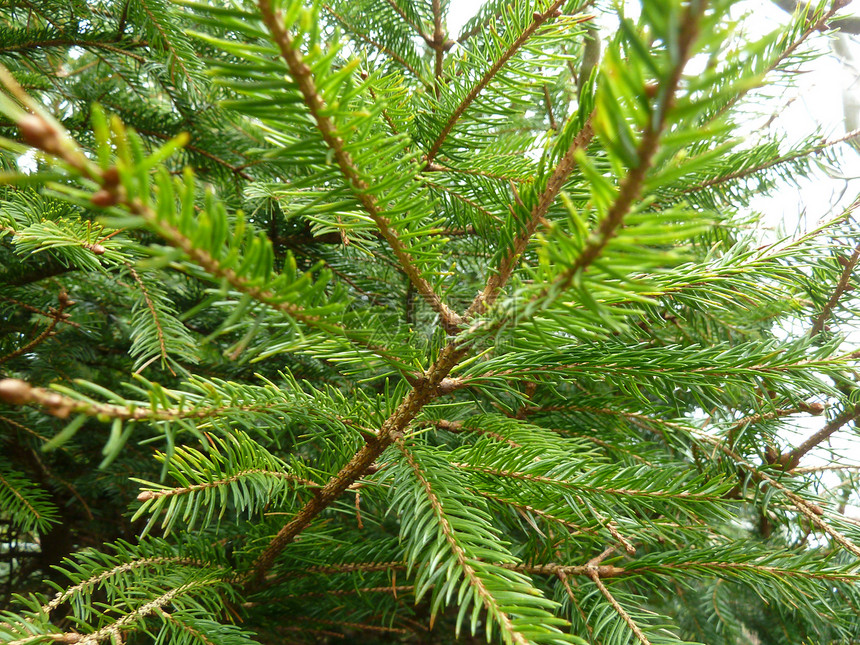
(323,323)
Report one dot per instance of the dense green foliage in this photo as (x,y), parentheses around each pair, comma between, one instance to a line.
(324,324)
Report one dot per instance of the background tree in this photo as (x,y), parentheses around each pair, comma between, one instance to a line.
(325,323)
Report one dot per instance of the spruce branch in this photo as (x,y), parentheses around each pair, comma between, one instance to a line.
(115,630)
(237,170)
(357,33)
(520,454)
(87,586)
(357,626)
(422,393)
(167,41)
(22,276)
(148,495)
(553,124)
(737,568)
(18,392)
(457,427)
(52,314)
(436,167)
(538,20)
(841,287)
(437,44)
(417,28)
(155,318)
(203,258)
(560,174)
(637,631)
(813,512)
(56,315)
(547,569)
(687,496)
(631,185)
(790,460)
(485,597)
(812,25)
(111,45)
(524,509)
(845,24)
(771,163)
(303,76)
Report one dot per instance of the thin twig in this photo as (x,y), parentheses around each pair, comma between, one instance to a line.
(841,287)
(56,317)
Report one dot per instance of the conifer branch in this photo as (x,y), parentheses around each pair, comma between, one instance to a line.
(478,28)
(846,24)
(637,631)
(549,569)
(360,626)
(790,460)
(498,279)
(843,284)
(22,276)
(376,44)
(486,597)
(553,124)
(155,317)
(812,27)
(538,19)
(167,41)
(114,630)
(463,199)
(623,492)
(631,185)
(457,428)
(147,495)
(170,618)
(53,315)
(717,566)
(526,508)
(422,393)
(175,238)
(393,4)
(56,316)
(18,392)
(118,570)
(691,304)
(303,76)
(236,170)
(394,590)
(813,512)
(24,501)
(791,156)
(437,44)
(820,469)
(435,167)
(84,44)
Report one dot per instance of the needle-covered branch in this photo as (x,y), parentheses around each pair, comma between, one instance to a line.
(303,76)
(277,210)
